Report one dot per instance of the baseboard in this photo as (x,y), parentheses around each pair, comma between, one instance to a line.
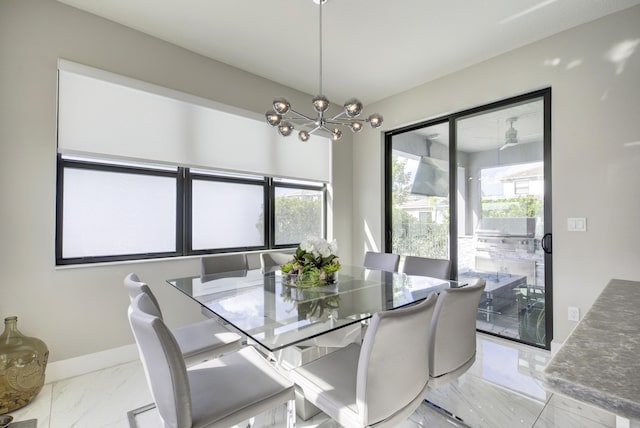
(84,364)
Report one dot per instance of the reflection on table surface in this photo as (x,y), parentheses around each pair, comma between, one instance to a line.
(276,315)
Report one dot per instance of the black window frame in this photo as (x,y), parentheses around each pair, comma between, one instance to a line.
(184,179)
(273,184)
(103,166)
(189,177)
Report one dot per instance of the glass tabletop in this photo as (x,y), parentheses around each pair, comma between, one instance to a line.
(276,315)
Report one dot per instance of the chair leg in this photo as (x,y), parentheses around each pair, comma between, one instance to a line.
(455,420)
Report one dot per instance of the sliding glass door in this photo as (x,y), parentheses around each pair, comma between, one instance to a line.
(496,225)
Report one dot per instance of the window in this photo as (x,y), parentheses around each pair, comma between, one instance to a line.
(116,211)
(110,211)
(298,213)
(227,213)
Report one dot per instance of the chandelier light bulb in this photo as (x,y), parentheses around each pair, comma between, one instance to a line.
(320,103)
(375,120)
(273,118)
(337,134)
(353,107)
(303,135)
(285,129)
(356,127)
(281,105)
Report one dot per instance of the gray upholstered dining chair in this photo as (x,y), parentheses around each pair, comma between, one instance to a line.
(424,266)
(273,261)
(380,383)
(211,265)
(218,393)
(452,334)
(199,341)
(381,261)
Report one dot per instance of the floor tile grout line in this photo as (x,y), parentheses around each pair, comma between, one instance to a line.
(542,411)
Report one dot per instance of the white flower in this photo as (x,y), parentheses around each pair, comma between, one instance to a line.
(333,246)
(325,250)
(307,245)
(319,246)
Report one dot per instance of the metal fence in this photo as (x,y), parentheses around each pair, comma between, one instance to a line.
(416,238)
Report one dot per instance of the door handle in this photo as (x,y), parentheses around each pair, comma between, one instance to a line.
(546,243)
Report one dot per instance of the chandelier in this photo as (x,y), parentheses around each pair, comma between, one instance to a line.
(282,115)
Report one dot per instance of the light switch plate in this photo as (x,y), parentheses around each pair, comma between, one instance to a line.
(573,313)
(577,224)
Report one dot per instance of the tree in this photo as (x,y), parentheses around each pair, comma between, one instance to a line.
(410,235)
(521,206)
(400,181)
(296,217)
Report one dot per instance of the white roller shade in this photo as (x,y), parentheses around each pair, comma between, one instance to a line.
(108,114)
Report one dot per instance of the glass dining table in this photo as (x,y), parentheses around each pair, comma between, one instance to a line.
(275,315)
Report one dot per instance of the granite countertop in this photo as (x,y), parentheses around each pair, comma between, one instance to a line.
(600,361)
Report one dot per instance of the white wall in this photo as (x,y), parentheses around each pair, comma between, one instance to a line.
(79,311)
(596,149)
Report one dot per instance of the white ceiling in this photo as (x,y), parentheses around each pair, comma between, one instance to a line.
(372,48)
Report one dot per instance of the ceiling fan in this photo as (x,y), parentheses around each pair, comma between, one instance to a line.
(511,136)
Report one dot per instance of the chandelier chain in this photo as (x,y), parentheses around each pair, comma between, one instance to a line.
(320,37)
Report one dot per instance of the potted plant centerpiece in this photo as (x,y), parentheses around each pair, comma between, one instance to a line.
(314,263)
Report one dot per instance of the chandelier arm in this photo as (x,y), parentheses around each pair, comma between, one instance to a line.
(345,122)
(300,116)
(317,128)
(302,122)
(329,133)
(323,127)
(338,115)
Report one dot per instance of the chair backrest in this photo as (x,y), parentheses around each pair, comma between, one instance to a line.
(163,364)
(381,261)
(135,287)
(424,266)
(452,334)
(393,367)
(270,261)
(223,263)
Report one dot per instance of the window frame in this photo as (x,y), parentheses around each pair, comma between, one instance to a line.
(273,184)
(103,166)
(188,224)
(184,186)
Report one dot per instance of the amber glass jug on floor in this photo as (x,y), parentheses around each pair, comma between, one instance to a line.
(23,361)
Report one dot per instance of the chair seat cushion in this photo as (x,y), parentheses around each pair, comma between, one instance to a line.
(331,381)
(226,387)
(205,339)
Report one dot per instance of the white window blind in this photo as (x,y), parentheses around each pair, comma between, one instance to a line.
(108,114)
(99,219)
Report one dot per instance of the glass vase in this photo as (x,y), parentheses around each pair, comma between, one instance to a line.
(23,361)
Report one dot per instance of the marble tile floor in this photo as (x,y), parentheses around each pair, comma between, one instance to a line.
(502,389)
